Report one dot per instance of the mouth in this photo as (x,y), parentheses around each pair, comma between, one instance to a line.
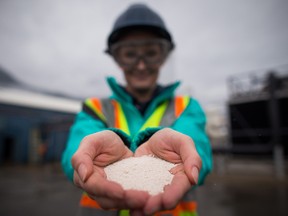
(142,74)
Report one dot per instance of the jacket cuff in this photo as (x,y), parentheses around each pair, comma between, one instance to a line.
(143,136)
(125,137)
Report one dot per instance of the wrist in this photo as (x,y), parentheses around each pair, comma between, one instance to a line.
(124,137)
(143,136)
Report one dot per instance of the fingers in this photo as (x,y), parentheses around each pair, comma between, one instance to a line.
(175,191)
(136,199)
(176,169)
(153,204)
(184,146)
(132,199)
(109,194)
(191,160)
(98,187)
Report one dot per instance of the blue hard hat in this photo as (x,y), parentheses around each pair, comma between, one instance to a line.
(139,16)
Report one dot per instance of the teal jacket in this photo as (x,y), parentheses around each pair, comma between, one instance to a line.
(191,122)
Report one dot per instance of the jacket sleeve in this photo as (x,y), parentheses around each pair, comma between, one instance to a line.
(83,125)
(192,122)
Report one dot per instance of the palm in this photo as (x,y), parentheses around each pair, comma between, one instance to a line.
(160,145)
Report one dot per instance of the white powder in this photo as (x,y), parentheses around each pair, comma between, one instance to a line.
(145,173)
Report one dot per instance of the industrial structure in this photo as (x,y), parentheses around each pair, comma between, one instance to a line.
(257,112)
(258,121)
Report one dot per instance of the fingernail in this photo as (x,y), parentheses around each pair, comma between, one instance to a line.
(82,171)
(195,174)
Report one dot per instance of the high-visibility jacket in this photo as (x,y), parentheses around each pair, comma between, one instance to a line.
(181,113)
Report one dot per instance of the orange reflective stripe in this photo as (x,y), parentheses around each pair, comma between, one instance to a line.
(181,103)
(178,106)
(120,119)
(116,114)
(96,102)
(96,106)
(188,206)
(86,201)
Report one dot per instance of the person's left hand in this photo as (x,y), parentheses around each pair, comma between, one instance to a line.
(177,148)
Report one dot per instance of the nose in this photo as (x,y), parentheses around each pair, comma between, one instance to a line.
(141,65)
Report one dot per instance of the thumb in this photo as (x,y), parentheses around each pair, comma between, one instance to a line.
(195,174)
(82,160)
(192,167)
(190,157)
(83,165)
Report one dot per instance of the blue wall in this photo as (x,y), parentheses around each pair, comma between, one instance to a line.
(16,124)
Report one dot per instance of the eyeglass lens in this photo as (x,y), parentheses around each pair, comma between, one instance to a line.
(130,53)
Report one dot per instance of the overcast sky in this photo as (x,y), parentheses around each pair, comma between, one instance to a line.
(58,44)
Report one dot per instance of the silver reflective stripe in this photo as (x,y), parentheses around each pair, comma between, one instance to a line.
(169,117)
(108,111)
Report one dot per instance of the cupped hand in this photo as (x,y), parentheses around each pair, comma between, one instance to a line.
(177,148)
(94,153)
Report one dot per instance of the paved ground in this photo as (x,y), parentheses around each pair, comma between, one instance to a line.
(245,188)
(36,190)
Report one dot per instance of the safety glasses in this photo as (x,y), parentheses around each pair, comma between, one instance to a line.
(129,53)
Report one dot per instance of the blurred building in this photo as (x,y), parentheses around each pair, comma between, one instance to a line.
(33,124)
(216,127)
(257,109)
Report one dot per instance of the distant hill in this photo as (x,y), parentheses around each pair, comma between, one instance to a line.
(6,79)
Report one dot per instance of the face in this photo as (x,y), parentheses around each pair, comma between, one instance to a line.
(140,55)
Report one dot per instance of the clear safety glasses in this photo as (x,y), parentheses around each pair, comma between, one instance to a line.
(151,52)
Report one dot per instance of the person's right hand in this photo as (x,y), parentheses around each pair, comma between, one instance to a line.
(177,148)
(94,153)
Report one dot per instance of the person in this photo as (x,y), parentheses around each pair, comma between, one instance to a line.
(141,117)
